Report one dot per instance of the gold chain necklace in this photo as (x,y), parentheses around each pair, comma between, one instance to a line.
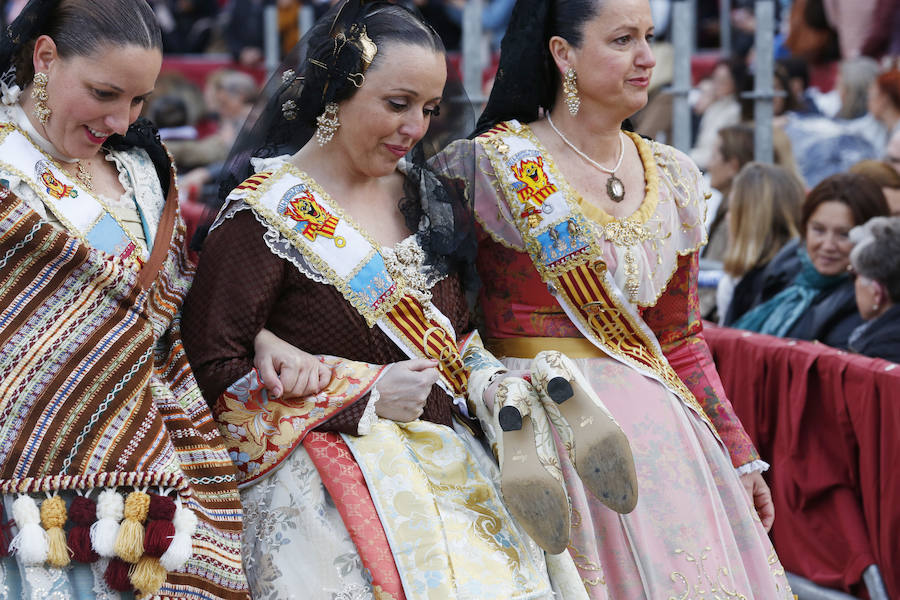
(84,176)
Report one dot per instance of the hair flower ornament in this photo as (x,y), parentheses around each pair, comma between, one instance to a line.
(9,89)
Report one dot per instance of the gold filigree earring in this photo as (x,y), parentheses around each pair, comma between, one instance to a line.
(328,124)
(571,91)
(39,93)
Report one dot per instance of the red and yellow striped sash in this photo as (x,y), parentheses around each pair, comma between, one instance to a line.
(254,181)
(431,339)
(611,324)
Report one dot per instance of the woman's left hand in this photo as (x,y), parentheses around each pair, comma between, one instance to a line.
(285,369)
(760,497)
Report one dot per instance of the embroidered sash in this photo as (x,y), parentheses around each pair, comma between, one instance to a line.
(303,213)
(83,215)
(566,249)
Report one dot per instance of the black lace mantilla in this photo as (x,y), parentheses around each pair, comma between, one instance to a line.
(435,208)
(525,82)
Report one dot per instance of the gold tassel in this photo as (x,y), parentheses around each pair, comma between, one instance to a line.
(53,518)
(148,575)
(130,539)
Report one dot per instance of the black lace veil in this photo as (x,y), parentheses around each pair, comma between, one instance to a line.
(32,22)
(327,65)
(525,81)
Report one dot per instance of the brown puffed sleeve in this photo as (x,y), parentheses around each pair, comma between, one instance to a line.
(238,280)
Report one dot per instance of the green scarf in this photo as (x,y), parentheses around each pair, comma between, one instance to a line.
(779,314)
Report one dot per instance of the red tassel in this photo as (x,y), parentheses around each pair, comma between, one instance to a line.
(79,542)
(5,532)
(157,537)
(83,511)
(162,508)
(116,575)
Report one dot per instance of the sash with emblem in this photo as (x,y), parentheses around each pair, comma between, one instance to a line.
(565,247)
(381,285)
(83,215)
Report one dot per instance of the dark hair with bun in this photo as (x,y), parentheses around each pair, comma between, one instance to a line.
(82,27)
(385,23)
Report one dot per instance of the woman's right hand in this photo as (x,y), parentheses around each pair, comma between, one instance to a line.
(404,389)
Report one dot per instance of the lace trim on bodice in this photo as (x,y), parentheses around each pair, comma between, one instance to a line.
(406,258)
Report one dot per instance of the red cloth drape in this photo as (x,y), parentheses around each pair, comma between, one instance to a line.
(345,482)
(829,423)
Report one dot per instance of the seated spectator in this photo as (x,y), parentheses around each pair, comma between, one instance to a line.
(892,151)
(231,100)
(855,79)
(819,304)
(728,78)
(884,101)
(763,216)
(797,72)
(734,149)
(885,176)
(875,261)
(824,146)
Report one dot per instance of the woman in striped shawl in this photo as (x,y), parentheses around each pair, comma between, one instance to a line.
(111,469)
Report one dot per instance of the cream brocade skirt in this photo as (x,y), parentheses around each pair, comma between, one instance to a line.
(694,534)
(296,545)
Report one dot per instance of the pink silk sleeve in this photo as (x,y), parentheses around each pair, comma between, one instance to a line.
(675,319)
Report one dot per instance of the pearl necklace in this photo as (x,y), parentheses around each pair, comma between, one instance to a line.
(615,189)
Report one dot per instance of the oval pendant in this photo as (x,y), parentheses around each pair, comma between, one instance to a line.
(615,189)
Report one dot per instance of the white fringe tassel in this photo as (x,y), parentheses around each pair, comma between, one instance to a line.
(110,511)
(181,548)
(31,543)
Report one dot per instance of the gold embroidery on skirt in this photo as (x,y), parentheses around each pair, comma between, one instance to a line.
(708,586)
(582,561)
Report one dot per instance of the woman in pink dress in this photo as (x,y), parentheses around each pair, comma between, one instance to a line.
(589,246)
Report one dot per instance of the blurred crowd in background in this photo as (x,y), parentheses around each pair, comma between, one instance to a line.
(793,248)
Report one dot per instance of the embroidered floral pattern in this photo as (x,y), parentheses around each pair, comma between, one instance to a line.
(260,431)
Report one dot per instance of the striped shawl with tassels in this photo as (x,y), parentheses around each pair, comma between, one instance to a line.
(96,392)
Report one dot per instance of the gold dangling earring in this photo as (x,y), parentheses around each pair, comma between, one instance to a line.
(571,91)
(39,93)
(328,124)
